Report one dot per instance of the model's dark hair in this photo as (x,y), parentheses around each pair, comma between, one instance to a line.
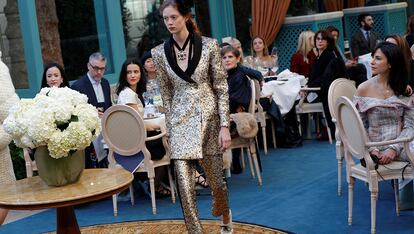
(229,48)
(361,17)
(64,83)
(398,75)
(184,8)
(123,82)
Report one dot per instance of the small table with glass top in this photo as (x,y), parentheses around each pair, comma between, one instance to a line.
(33,194)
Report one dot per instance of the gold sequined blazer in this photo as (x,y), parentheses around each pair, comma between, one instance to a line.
(196,100)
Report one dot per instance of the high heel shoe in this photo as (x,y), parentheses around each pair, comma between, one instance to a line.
(228,227)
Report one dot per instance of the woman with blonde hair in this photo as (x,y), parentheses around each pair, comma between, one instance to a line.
(299,62)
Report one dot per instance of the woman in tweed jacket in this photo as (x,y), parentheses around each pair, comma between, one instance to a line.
(194,92)
(386,110)
(8,98)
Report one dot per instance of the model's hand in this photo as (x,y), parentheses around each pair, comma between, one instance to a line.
(387,156)
(224,138)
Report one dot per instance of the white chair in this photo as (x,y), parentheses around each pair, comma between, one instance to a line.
(305,108)
(261,117)
(124,132)
(339,87)
(356,142)
(249,143)
(30,164)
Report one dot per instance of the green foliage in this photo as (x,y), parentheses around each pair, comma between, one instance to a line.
(18,161)
(78,34)
(155,32)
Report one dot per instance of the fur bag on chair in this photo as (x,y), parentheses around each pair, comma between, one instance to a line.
(246,124)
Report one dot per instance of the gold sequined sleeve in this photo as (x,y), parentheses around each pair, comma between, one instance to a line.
(166,86)
(218,78)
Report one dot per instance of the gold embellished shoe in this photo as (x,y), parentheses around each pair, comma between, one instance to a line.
(228,227)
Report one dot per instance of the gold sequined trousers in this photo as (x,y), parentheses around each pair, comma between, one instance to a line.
(186,172)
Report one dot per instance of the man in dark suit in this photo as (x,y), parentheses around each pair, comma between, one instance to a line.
(364,41)
(98,91)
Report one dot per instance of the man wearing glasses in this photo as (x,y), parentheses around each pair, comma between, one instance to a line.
(98,91)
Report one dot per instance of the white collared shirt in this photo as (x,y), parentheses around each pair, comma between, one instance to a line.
(97,87)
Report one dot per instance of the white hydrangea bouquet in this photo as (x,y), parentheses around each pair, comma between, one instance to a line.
(59,118)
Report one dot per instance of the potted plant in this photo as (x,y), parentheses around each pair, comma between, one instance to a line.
(58,123)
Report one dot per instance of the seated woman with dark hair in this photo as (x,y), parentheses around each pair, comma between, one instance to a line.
(54,76)
(325,69)
(131,86)
(384,105)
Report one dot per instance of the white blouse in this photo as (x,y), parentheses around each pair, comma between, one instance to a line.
(128,96)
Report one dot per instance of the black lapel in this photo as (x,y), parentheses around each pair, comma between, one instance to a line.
(198,47)
(168,46)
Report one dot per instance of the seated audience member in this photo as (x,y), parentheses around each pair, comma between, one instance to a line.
(408,61)
(131,86)
(299,63)
(54,76)
(355,71)
(152,95)
(98,91)
(364,40)
(260,58)
(384,105)
(327,67)
(239,85)
(239,92)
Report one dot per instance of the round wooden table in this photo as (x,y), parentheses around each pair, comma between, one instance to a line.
(33,194)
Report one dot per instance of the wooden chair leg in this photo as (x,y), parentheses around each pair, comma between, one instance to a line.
(327,128)
(256,163)
(397,197)
(131,193)
(350,199)
(242,157)
(249,157)
(152,188)
(339,153)
(300,123)
(115,204)
(172,186)
(373,211)
(264,140)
